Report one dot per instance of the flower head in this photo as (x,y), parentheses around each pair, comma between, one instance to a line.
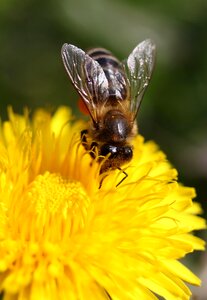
(61,237)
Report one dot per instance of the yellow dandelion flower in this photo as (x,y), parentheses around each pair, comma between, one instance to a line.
(61,237)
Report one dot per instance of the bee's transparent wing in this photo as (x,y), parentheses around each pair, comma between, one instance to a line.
(88,78)
(138,68)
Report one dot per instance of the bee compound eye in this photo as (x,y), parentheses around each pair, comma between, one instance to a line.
(106,149)
(128,152)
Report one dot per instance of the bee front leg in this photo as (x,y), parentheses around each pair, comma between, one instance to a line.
(85,142)
(83,135)
(93,147)
(125,176)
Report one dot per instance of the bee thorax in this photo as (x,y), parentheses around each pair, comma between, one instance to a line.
(116,127)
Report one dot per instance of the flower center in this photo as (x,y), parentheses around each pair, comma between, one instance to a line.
(52,206)
(55,194)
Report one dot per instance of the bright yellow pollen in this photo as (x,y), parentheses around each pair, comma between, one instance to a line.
(51,207)
(55,194)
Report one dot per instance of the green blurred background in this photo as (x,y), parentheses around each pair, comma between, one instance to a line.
(174,110)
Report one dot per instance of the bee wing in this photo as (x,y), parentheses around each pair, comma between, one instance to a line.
(88,78)
(138,68)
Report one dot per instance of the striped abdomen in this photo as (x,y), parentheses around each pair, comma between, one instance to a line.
(118,89)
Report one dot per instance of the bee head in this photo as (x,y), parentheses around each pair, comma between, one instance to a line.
(122,153)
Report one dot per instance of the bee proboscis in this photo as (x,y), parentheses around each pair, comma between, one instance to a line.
(112,92)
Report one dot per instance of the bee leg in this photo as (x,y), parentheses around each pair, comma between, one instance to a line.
(84,141)
(126,175)
(108,295)
(101,182)
(92,149)
(83,135)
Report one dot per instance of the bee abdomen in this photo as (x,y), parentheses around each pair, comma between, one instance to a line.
(105,59)
(114,73)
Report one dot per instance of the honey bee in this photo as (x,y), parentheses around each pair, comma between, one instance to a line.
(112,92)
